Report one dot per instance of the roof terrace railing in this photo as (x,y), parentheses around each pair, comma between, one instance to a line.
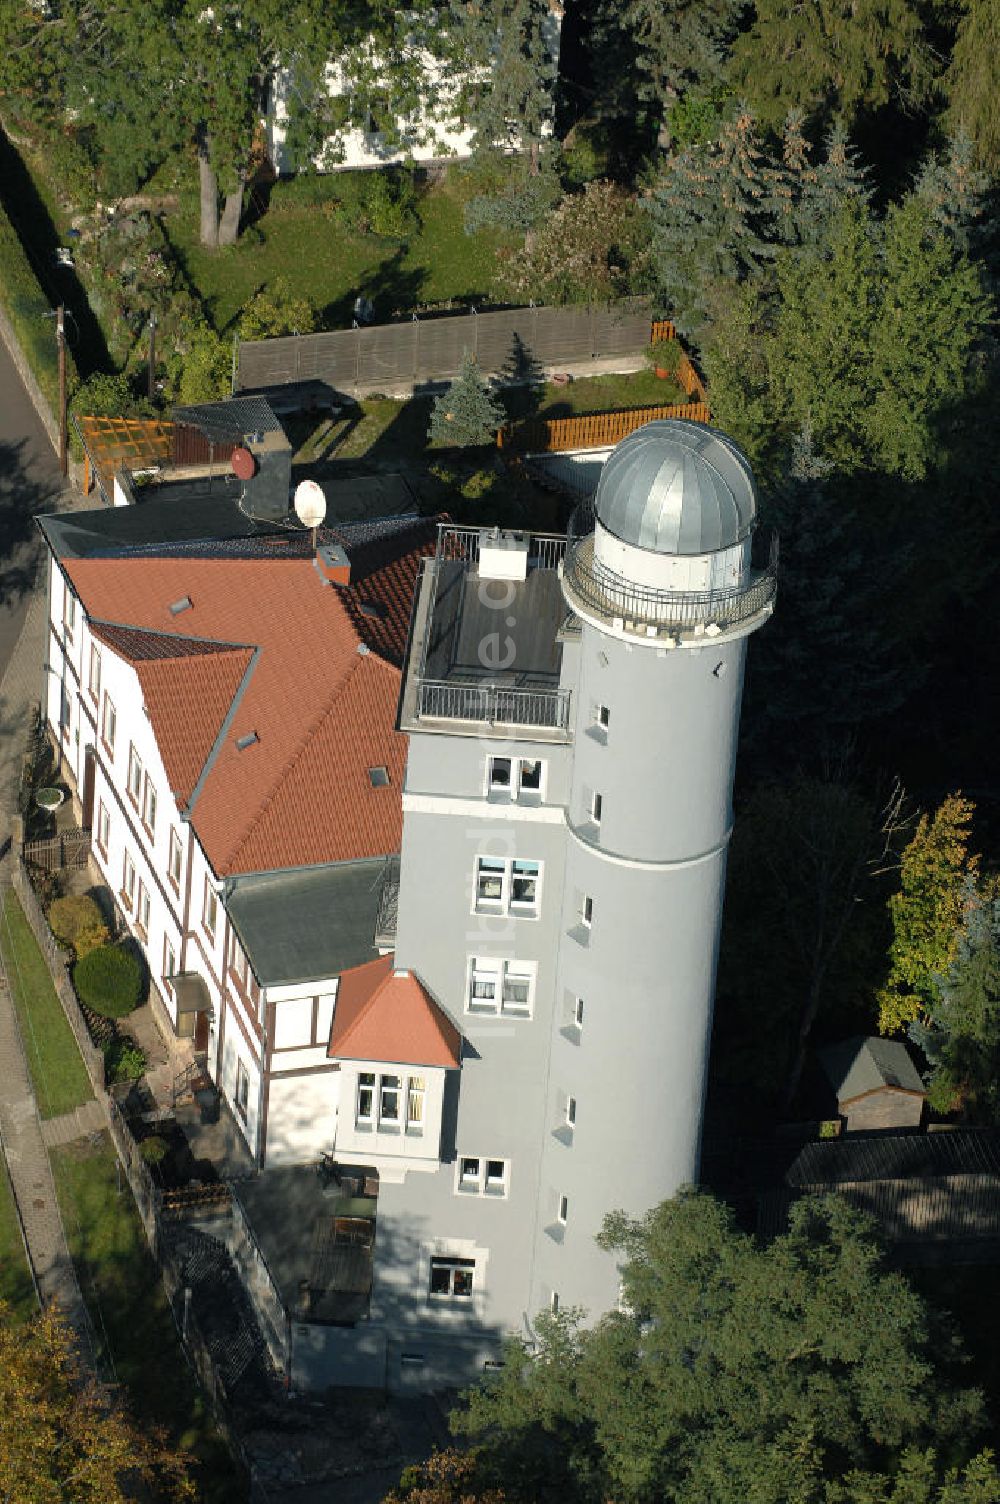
(545,550)
(613,597)
(494,705)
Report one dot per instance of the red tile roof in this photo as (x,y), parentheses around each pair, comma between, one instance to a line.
(188,687)
(384,1014)
(297,662)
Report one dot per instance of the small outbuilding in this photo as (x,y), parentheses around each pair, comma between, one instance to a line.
(876,1083)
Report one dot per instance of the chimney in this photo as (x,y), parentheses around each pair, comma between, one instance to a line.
(333,564)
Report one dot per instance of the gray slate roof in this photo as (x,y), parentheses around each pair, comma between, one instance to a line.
(867,1063)
(308,924)
(677,487)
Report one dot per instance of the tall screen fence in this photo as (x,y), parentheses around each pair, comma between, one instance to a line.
(389,356)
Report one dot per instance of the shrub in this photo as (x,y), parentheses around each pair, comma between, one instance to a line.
(277,310)
(154,1149)
(665,355)
(103,396)
(78,921)
(124,1060)
(108,980)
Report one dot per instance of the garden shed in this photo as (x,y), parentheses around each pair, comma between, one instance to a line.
(876,1083)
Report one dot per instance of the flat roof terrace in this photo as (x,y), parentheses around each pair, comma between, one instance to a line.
(485,648)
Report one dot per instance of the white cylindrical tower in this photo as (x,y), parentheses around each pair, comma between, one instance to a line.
(658,571)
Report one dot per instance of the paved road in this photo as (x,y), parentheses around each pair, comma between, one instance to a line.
(29,483)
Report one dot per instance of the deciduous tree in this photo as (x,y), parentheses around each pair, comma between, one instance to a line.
(731,1371)
(927,911)
(64,1439)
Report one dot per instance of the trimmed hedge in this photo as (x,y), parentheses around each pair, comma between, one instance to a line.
(108,980)
(26,305)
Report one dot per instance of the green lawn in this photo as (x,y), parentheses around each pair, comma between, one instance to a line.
(122,1288)
(58,1073)
(379,428)
(331,265)
(16,1288)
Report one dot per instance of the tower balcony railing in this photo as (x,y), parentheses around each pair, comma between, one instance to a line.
(494,704)
(612,597)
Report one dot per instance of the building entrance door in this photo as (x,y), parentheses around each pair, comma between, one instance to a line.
(201,1033)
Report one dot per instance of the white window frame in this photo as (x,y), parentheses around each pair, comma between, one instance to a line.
(94,673)
(238,963)
(142,909)
(175,860)
(484,1179)
(128,880)
(149,805)
(242,1096)
(587,911)
(69,612)
(210,906)
(169,965)
(386,1122)
(416,1103)
(562,1210)
(496,972)
(367,1084)
(109,724)
(456,1265)
(504,871)
(103,828)
(578,1012)
(514,789)
(65,711)
(570,1112)
(134,782)
(596,807)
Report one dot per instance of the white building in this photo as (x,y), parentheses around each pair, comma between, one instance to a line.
(430,131)
(554,766)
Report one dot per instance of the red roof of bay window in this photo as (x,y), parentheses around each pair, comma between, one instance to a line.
(385,1014)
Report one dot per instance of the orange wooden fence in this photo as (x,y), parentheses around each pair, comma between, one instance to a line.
(599,430)
(592,430)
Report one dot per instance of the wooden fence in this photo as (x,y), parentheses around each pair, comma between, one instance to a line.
(592,430)
(510,342)
(70,849)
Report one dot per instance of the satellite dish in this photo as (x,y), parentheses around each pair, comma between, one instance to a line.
(243,463)
(310,503)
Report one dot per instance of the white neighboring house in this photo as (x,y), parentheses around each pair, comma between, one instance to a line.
(210,702)
(433,134)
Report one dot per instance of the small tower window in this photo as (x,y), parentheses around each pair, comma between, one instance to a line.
(587,911)
(571,1112)
(596,808)
(554,1302)
(500,771)
(603,717)
(563,1209)
(578,1013)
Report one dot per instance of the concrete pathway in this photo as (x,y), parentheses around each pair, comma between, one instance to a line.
(80,1123)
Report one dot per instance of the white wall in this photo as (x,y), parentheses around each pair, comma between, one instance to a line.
(301,1117)
(394,1150)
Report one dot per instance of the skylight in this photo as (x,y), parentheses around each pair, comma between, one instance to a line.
(378,777)
(184,604)
(243,742)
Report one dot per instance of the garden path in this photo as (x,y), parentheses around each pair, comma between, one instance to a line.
(20,1127)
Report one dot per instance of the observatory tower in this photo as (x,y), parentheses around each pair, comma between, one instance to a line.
(658,572)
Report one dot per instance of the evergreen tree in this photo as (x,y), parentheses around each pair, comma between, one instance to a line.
(504,49)
(932,313)
(955,191)
(926,913)
(650,55)
(467,413)
(713,221)
(960,1030)
(835,58)
(972,82)
(730,1371)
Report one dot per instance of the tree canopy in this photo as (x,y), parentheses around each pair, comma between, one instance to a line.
(66,1440)
(803,1369)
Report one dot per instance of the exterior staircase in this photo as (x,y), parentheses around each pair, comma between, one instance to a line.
(223,1314)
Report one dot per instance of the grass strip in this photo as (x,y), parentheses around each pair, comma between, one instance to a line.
(58,1074)
(17,1289)
(128,1305)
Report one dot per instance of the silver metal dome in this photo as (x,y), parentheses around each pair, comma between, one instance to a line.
(677,487)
